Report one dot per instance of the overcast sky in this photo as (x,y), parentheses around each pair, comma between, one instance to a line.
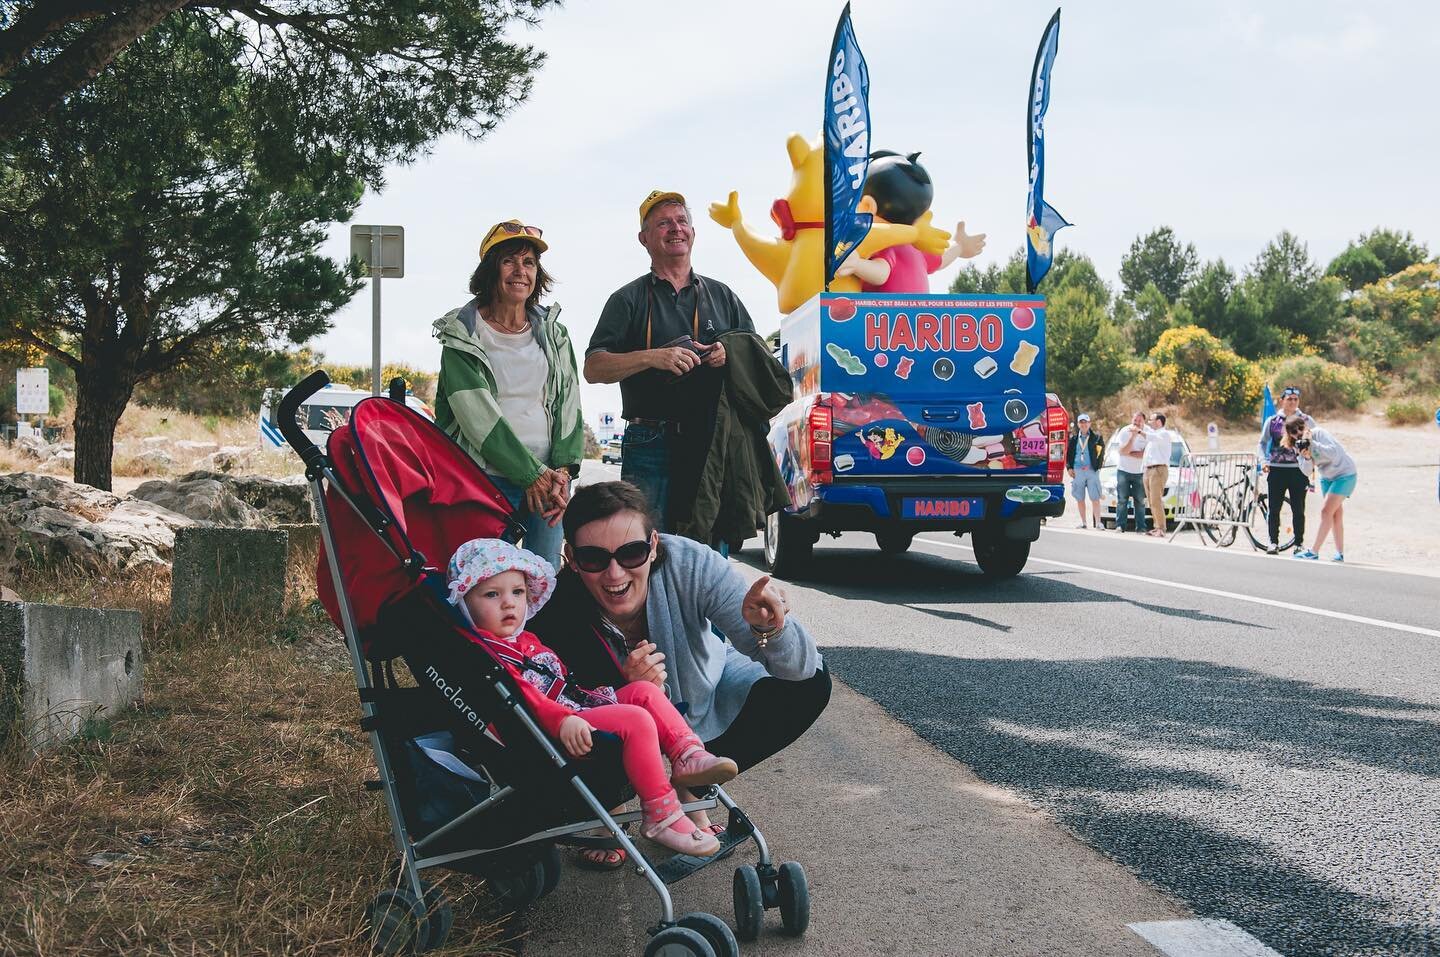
(1227,121)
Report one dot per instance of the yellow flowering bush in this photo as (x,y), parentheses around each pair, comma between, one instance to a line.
(1191,367)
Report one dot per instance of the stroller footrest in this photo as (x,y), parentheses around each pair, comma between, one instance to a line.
(677,867)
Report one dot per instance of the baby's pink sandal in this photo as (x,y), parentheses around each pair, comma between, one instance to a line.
(667,825)
(697,767)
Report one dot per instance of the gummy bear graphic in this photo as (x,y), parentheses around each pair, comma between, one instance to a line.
(977,414)
(903,367)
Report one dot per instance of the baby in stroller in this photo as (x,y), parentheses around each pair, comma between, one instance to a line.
(498,586)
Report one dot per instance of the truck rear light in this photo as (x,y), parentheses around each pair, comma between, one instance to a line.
(819,428)
(1057,427)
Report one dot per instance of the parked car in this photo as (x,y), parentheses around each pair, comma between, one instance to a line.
(1179,482)
(610,447)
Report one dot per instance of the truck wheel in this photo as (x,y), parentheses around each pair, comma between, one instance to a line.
(788,547)
(1000,557)
(894,543)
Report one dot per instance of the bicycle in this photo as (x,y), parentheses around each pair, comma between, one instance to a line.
(1240,510)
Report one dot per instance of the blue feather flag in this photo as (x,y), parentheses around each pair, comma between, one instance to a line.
(1042,222)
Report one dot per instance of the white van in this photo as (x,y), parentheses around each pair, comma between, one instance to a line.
(322,413)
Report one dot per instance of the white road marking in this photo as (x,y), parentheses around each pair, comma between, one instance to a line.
(1201,938)
(1273,603)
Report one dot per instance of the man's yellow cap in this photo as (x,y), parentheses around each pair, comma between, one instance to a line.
(657,197)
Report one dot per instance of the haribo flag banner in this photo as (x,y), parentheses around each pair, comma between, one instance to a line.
(1041,221)
(847,145)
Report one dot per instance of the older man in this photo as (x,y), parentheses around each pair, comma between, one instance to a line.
(657,338)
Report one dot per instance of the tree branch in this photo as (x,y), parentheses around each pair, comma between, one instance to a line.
(49,348)
(41,21)
(35,95)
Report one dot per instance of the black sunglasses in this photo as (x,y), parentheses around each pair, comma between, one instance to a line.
(593,558)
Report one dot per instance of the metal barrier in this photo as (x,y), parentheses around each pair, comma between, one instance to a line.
(1218,495)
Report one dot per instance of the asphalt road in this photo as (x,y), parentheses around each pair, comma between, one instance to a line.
(1267,765)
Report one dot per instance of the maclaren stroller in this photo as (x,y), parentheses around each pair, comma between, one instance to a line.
(471,782)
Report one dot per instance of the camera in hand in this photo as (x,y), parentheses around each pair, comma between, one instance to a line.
(1302,444)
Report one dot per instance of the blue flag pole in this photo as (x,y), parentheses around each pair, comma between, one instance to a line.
(1267,405)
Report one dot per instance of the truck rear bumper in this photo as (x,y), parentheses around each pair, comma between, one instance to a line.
(846,507)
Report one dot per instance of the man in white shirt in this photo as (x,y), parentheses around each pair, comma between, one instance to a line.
(1158,442)
(1129,474)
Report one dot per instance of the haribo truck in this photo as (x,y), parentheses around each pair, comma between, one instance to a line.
(917,413)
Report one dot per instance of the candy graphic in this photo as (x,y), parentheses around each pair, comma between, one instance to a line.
(1025,354)
(953,445)
(915,455)
(1016,410)
(881,360)
(1021,317)
(842,309)
(1028,494)
(944,369)
(845,359)
(986,367)
(903,367)
(844,463)
(977,414)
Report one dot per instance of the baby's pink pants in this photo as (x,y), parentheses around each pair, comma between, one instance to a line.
(648,726)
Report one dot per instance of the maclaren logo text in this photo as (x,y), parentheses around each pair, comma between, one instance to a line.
(452,695)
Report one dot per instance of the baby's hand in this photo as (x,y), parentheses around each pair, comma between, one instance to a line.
(575,736)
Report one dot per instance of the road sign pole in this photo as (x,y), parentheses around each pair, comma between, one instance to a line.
(376,264)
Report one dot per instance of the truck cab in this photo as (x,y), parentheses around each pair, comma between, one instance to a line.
(917,413)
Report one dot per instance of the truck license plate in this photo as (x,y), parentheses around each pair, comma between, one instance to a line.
(941,507)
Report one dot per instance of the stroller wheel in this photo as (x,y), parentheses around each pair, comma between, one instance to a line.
(397,923)
(716,932)
(518,883)
(749,902)
(553,866)
(679,942)
(794,899)
(439,919)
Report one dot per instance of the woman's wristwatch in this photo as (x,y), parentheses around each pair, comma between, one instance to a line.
(762,638)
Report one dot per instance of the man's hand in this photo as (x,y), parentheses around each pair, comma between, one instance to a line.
(1071,471)
(764,605)
(715,356)
(675,360)
(645,663)
(575,736)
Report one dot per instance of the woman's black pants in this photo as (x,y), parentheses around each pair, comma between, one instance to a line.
(1294,483)
(774,715)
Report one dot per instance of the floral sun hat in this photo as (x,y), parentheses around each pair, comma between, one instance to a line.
(482,558)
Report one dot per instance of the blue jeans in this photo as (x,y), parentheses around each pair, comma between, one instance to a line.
(1129,485)
(541,537)
(645,464)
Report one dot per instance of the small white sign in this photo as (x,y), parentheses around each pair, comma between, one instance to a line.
(606,420)
(32,391)
(1213,431)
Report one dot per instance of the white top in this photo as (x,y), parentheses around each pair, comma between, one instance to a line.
(1133,464)
(1158,444)
(520,369)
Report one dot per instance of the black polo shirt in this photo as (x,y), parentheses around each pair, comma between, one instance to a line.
(649,312)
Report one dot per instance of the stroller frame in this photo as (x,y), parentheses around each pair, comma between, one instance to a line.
(413,916)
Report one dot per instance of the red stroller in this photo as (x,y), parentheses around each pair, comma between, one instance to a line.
(395,497)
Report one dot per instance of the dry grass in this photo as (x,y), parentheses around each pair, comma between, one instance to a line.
(224,815)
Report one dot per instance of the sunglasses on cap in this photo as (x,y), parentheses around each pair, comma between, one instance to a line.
(514,229)
(593,558)
(1289,391)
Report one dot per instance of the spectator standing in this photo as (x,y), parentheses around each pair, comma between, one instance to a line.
(1321,452)
(1283,475)
(1159,442)
(508,389)
(1130,474)
(1083,457)
(657,337)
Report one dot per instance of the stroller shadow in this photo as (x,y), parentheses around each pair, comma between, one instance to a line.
(1100,742)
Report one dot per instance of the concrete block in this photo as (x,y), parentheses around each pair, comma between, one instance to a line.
(61,667)
(224,573)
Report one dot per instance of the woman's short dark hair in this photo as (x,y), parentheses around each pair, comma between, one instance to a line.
(485,280)
(599,501)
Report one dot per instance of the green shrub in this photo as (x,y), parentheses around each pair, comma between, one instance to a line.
(1324,385)
(1407,412)
(1193,368)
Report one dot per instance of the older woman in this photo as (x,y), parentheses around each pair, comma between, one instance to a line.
(636,605)
(508,384)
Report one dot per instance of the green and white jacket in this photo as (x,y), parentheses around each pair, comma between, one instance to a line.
(467,409)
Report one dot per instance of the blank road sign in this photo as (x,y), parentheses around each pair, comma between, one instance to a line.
(392,249)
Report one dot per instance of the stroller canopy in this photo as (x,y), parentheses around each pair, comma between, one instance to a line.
(421,497)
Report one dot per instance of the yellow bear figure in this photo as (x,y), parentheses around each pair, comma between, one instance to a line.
(795,261)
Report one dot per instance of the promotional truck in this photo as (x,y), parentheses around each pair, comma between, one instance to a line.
(917,413)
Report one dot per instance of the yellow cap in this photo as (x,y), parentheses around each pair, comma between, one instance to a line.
(512,229)
(657,197)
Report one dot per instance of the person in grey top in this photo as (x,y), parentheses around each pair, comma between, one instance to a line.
(636,605)
(1321,452)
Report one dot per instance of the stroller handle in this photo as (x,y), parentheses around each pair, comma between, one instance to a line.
(310,454)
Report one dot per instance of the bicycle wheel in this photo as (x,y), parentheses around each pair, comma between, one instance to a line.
(1258,528)
(1214,508)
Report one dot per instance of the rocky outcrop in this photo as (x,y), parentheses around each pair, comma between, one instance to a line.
(45,520)
(248,501)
